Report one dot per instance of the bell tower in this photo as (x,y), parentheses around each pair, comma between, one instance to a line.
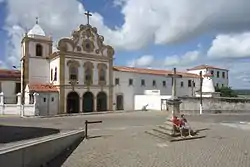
(36,47)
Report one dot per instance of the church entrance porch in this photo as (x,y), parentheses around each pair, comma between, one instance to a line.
(101,101)
(73,102)
(119,102)
(88,102)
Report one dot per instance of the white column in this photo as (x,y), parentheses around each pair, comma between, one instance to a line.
(35,97)
(1,98)
(19,96)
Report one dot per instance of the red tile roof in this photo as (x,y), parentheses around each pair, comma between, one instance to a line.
(10,74)
(153,71)
(204,66)
(43,88)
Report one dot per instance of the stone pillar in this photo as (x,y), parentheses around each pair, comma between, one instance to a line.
(174,107)
(80,103)
(19,98)
(1,98)
(94,103)
(36,112)
(35,98)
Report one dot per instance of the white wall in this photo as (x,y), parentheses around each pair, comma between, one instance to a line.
(48,103)
(130,91)
(39,71)
(32,49)
(153,102)
(53,64)
(9,88)
(220,81)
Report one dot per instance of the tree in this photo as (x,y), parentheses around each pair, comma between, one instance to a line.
(226,92)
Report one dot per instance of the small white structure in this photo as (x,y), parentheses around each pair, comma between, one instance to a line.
(208,89)
(152,102)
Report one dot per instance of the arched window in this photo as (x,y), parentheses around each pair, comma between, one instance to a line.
(73,73)
(102,75)
(88,75)
(51,74)
(55,75)
(39,50)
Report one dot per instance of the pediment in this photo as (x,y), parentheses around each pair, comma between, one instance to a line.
(86,40)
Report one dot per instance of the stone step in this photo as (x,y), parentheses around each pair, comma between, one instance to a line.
(158,135)
(163,131)
(167,128)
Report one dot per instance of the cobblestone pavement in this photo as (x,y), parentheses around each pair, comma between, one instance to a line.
(124,143)
(224,146)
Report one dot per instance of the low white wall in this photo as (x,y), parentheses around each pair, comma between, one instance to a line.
(17,109)
(153,101)
(39,151)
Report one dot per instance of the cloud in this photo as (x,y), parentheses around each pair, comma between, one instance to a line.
(188,58)
(143,61)
(145,21)
(230,46)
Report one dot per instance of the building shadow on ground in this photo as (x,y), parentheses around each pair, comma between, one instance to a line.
(16,133)
(59,160)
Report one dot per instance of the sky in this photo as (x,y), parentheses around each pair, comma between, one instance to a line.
(144,33)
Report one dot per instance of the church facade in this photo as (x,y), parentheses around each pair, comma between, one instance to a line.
(81,77)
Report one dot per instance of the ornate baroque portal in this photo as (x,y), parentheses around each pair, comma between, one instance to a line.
(86,45)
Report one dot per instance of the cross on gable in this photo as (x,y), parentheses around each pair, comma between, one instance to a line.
(88,14)
(37,20)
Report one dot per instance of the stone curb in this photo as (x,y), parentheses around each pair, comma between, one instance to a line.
(79,114)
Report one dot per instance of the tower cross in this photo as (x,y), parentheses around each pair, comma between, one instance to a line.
(88,14)
(37,20)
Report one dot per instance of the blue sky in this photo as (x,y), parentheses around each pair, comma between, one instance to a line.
(144,33)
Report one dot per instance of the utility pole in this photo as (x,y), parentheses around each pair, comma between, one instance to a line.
(192,88)
(201,80)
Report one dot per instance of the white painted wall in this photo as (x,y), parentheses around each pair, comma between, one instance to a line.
(216,80)
(9,88)
(47,103)
(136,89)
(53,64)
(153,102)
(39,71)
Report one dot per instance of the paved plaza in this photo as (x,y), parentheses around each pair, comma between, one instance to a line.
(121,141)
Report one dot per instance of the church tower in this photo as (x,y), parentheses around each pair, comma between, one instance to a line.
(36,47)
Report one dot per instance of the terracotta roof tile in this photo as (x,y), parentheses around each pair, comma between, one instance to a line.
(204,66)
(10,74)
(43,88)
(153,71)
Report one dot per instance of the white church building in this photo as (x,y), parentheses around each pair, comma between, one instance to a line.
(81,77)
